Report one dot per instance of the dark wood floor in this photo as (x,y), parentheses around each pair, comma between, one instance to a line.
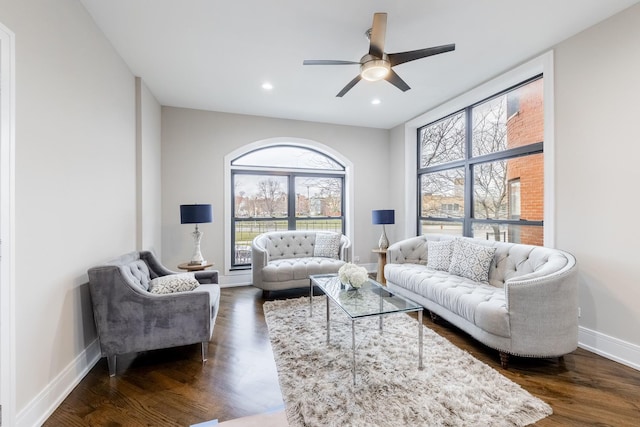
(173,388)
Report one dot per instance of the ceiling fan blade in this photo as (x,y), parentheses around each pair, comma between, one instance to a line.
(402,57)
(378,34)
(327,62)
(349,85)
(395,80)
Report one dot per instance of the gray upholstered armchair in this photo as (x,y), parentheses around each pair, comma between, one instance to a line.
(129,318)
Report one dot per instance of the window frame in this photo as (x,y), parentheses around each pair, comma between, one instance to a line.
(291,173)
(470,161)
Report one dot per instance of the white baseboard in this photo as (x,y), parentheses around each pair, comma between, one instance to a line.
(46,402)
(609,347)
(236,279)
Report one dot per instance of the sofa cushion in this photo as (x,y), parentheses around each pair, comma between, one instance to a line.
(327,245)
(471,260)
(182,282)
(481,304)
(290,245)
(286,269)
(439,254)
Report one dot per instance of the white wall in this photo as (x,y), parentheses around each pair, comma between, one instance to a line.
(75,188)
(149,176)
(398,180)
(597,175)
(195,142)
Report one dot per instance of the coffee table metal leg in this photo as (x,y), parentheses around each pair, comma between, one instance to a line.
(353,347)
(328,322)
(420,339)
(310,298)
(381,316)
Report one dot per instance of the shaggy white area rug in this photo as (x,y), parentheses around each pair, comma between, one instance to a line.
(453,389)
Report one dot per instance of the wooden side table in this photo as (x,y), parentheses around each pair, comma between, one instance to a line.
(194,267)
(382,260)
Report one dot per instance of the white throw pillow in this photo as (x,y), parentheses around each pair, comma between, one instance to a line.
(439,254)
(327,245)
(471,261)
(171,283)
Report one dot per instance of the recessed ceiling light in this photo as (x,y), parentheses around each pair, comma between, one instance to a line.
(375,101)
(267,86)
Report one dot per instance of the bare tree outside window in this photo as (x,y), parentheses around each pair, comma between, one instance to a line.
(441,189)
(504,146)
(272,197)
(319,196)
(284,187)
(443,141)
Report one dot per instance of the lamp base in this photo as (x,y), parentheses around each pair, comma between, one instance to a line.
(196,258)
(383,243)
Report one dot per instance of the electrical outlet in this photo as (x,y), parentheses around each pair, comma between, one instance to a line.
(579,312)
(356,258)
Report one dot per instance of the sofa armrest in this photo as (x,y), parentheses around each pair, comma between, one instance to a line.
(345,246)
(206,276)
(259,259)
(154,264)
(543,311)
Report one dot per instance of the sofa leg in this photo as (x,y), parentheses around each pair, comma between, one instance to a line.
(265,294)
(111,363)
(434,317)
(205,349)
(561,361)
(504,360)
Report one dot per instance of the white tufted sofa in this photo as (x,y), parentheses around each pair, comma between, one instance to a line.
(529,307)
(285,259)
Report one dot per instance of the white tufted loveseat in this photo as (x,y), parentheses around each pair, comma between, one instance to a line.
(285,259)
(528,307)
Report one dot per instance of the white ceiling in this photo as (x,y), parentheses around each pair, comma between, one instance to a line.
(215,55)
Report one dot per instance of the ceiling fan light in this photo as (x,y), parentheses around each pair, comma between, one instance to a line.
(374,70)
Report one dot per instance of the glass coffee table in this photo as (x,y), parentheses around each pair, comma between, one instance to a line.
(372,299)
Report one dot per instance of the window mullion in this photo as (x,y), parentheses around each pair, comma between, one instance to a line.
(468,174)
(291,206)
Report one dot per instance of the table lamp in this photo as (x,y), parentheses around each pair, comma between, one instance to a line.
(383,216)
(196,214)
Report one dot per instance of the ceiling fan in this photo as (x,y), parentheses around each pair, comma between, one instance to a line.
(376,65)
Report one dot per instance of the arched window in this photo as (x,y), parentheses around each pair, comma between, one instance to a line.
(283,187)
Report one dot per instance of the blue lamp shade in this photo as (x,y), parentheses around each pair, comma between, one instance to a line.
(195,214)
(383,216)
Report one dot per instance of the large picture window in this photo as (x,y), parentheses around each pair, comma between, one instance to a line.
(481,169)
(283,188)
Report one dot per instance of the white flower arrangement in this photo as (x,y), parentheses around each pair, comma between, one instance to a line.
(353,275)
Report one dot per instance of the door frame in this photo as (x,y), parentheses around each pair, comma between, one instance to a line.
(7,227)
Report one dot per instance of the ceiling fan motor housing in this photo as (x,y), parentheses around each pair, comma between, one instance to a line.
(373,68)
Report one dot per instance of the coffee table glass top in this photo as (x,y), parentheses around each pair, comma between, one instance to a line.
(372,299)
